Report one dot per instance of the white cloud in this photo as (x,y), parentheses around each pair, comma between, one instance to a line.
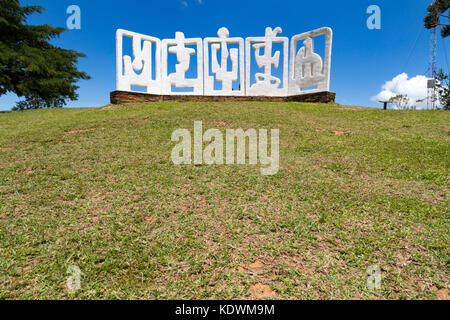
(415,88)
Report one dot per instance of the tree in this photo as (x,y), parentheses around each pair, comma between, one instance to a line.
(400,101)
(436,10)
(30,66)
(443,90)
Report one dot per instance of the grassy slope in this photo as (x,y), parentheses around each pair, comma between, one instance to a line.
(96,188)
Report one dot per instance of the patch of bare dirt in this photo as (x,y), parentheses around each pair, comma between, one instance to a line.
(341,133)
(262,291)
(221,124)
(442,294)
(297,263)
(78,131)
(256,267)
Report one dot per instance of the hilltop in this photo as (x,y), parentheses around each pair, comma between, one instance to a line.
(96,188)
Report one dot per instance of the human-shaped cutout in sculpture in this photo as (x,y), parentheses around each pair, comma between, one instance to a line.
(308,64)
(220,69)
(178,79)
(266,83)
(308,70)
(138,71)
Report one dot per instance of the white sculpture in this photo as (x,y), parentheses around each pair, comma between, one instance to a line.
(220,69)
(267,84)
(307,68)
(301,72)
(142,54)
(178,78)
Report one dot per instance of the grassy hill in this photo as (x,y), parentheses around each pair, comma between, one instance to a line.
(96,188)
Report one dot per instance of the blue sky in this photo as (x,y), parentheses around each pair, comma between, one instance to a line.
(362,59)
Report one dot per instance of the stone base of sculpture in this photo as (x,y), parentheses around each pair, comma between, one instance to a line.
(118,97)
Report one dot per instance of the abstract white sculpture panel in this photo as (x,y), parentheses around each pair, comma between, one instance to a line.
(301,72)
(267,84)
(220,69)
(142,54)
(307,68)
(178,78)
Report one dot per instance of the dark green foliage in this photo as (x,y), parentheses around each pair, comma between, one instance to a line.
(436,12)
(36,102)
(443,89)
(30,66)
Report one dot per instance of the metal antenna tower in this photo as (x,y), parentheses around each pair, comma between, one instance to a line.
(432,97)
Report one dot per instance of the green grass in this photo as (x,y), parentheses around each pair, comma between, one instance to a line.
(96,188)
